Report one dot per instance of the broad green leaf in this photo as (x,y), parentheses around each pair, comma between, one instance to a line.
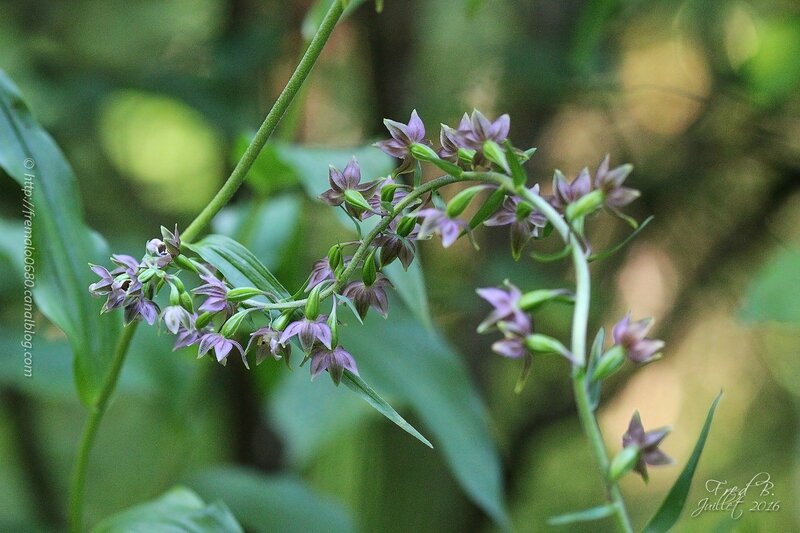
(774,294)
(179,510)
(63,244)
(238,264)
(357,385)
(671,508)
(271,503)
(595,513)
(415,367)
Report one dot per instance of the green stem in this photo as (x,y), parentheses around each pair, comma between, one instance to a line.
(263,134)
(78,483)
(229,188)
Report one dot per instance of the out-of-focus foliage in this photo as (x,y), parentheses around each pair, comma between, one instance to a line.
(147,101)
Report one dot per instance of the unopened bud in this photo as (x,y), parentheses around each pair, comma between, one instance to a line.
(335,256)
(534,299)
(312,303)
(406,226)
(423,152)
(241,294)
(461,200)
(356,199)
(585,205)
(546,344)
(232,324)
(186,302)
(203,320)
(280,323)
(494,153)
(369,272)
(609,363)
(624,462)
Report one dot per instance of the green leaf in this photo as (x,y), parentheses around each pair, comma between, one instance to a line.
(774,293)
(357,385)
(416,367)
(238,264)
(556,256)
(271,503)
(517,172)
(178,510)
(614,249)
(63,244)
(587,515)
(671,508)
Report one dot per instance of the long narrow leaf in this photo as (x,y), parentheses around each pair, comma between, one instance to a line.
(614,249)
(671,508)
(595,513)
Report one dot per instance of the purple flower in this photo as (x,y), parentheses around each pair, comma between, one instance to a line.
(158,252)
(481,129)
(320,271)
(175,317)
(437,221)
(349,179)
(513,342)
(525,222)
(138,306)
(394,245)
(308,331)
(375,201)
(506,309)
(216,292)
(565,193)
(125,264)
(172,240)
(610,182)
(366,296)
(648,443)
(335,361)
(222,347)
(187,336)
(267,342)
(403,136)
(452,139)
(104,286)
(631,336)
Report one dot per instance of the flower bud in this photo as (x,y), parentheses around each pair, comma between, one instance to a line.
(333,323)
(369,272)
(423,152)
(174,295)
(534,299)
(241,294)
(494,153)
(585,205)
(203,320)
(609,363)
(461,200)
(186,302)
(335,259)
(312,303)
(232,324)
(466,155)
(387,192)
(406,226)
(146,275)
(356,200)
(546,344)
(176,281)
(280,323)
(623,462)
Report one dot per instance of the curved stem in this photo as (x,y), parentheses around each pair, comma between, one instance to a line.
(268,126)
(78,482)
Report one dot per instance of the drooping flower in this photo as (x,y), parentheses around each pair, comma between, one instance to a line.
(365,296)
(403,136)
(512,344)
(216,292)
(221,345)
(348,180)
(394,246)
(375,201)
(125,265)
(648,443)
(565,192)
(138,307)
(187,336)
(452,139)
(267,342)
(320,271)
(506,308)
(104,286)
(157,251)
(436,221)
(632,337)
(175,317)
(525,221)
(610,182)
(308,332)
(481,129)
(335,361)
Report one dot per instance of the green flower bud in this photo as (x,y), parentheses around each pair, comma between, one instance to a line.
(335,256)
(176,281)
(312,303)
(534,299)
(387,192)
(174,295)
(232,324)
(424,152)
(461,200)
(186,302)
(280,323)
(624,462)
(356,200)
(241,294)
(546,344)
(609,363)
(203,320)
(585,205)
(494,153)
(146,275)
(406,226)
(466,155)
(369,272)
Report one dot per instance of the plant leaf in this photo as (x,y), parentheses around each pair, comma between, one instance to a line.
(614,249)
(517,172)
(556,256)
(671,508)
(357,385)
(180,509)
(266,503)
(595,513)
(63,244)
(774,293)
(489,207)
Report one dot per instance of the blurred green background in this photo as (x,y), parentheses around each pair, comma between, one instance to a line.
(152,101)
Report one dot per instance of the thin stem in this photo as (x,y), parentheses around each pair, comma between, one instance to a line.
(271,121)
(78,483)
(229,188)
